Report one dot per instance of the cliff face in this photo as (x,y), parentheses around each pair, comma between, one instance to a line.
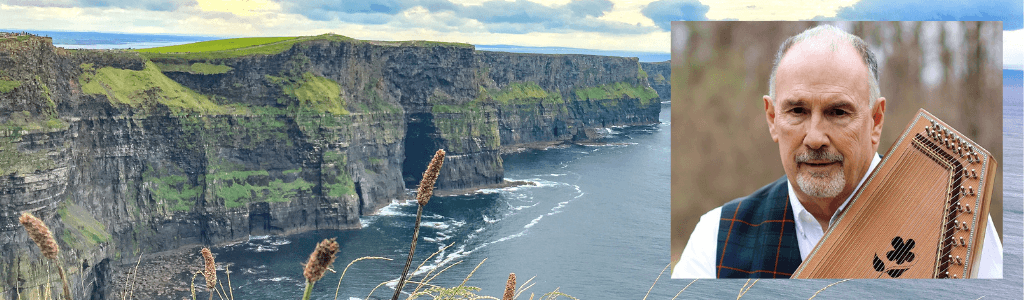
(659,74)
(122,153)
(546,98)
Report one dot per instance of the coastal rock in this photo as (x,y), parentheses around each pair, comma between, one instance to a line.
(125,154)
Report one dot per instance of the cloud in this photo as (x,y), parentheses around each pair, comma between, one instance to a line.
(153,5)
(663,12)
(592,8)
(1011,12)
(499,16)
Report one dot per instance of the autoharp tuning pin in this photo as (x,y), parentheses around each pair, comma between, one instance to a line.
(954,276)
(963,191)
(964,224)
(970,191)
(962,242)
(973,174)
(959,261)
(967,208)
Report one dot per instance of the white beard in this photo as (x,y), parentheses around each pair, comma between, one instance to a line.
(821,185)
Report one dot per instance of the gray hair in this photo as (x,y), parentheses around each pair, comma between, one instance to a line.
(855,41)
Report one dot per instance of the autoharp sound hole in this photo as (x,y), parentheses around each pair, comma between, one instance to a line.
(936,153)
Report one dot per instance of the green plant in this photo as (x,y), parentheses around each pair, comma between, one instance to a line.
(319,261)
(425,191)
(8,85)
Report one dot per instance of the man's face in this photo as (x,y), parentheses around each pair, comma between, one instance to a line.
(822,120)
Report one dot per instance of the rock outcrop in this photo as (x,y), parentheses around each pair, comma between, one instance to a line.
(124,153)
(659,74)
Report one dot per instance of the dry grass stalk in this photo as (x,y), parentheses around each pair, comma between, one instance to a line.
(424,279)
(471,272)
(656,281)
(41,235)
(830,285)
(525,286)
(423,195)
(684,288)
(510,287)
(746,288)
(192,284)
(338,289)
(426,189)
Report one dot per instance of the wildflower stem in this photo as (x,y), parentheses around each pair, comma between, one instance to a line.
(309,290)
(412,250)
(64,280)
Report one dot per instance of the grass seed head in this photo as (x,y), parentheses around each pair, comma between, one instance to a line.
(211,270)
(510,287)
(40,234)
(430,177)
(320,260)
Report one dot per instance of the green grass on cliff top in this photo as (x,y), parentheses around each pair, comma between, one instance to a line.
(238,47)
(217,45)
(139,89)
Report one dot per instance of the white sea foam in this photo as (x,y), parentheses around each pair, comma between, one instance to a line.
(394,209)
(534,222)
(280,242)
(262,248)
(275,279)
(258,237)
(435,225)
(488,220)
(525,206)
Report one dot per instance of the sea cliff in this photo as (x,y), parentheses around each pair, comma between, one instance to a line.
(123,153)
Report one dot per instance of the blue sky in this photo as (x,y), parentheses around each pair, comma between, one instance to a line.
(621,25)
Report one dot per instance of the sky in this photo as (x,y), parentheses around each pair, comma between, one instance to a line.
(620,25)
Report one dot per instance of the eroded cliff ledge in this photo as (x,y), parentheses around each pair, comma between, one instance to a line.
(123,153)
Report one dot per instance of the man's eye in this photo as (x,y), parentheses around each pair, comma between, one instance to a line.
(839,112)
(797,110)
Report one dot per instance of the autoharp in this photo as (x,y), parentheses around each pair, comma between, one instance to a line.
(921,213)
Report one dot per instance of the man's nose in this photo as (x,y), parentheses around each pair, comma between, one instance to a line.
(817,135)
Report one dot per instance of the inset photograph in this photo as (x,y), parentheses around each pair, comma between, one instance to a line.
(836,150)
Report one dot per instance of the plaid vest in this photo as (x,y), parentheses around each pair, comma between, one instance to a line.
(757,235)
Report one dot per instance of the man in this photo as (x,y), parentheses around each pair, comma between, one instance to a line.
(825,112)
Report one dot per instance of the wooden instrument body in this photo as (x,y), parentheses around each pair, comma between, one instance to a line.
(931,190)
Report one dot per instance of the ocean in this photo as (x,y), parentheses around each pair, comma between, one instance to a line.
(589,228)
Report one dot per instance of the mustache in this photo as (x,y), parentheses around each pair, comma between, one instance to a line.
(819,155)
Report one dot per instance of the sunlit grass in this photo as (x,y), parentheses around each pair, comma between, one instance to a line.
(217,45)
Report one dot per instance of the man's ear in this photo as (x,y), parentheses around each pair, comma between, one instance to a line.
(877,118)
(769,114)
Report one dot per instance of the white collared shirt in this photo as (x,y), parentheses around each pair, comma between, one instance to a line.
(698,258)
